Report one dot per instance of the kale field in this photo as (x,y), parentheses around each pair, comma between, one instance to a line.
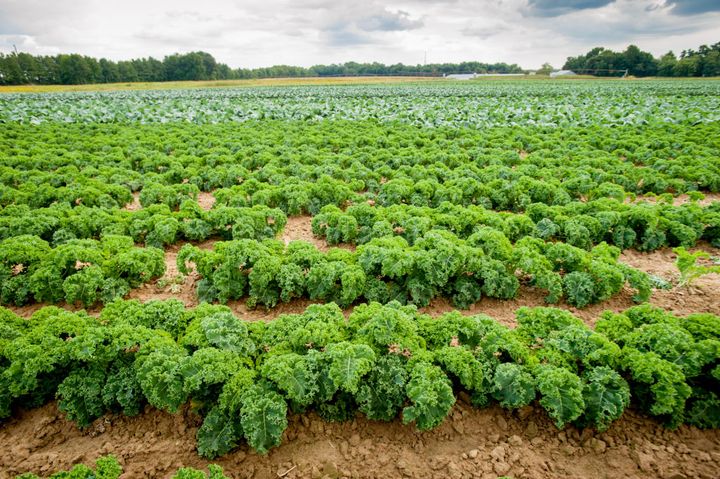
(483,279)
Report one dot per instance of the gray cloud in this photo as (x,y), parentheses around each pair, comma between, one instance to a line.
(342,37)
(694,7)
(388,22)
(484,32)
(555,8)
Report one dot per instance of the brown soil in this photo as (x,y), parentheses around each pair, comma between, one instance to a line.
(679,199)
(300,228)
(703,296)
(134,205)
(206,200)
(471,443)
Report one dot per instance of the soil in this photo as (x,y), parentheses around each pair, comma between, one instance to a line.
(701,297)
(206,200)
(300,228)
(679,199)
(471,443)
(134,205)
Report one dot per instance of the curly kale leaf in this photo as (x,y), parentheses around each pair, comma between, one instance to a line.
(206,369)
(219,434)
(460,362)
(561,394)
(161,377)
(536,323)
(318,326)
(263,417)
(430,394)
(80,395)
(294,375)
(382,394)
(606,395)
(580,347)
(658,385)
(221,330)
(385,327)
(703,410)
(513,386)
(123,390)
(348,364)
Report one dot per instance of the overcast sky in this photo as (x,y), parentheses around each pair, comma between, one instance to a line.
(245,33)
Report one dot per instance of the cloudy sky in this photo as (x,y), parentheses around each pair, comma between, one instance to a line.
(244,33)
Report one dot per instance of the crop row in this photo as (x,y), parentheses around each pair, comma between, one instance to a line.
(501,168)
(82,271)
(644,226)
(382,361)
(154,226)
(476,104)
(388,269)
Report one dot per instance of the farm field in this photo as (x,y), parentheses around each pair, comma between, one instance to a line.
(511,278)
(192,84)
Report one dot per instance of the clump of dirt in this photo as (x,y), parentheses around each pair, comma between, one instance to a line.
(134,205)
(482,443)
(206,200)
(300,228)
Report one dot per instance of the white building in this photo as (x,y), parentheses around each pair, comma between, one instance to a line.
(562,73)
(470,76)
(461,76)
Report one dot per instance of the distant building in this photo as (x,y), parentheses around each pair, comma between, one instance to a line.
(461,76)
(562,73)
(470,76)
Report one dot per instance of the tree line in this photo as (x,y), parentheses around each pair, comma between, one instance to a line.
(703,62)
(74,69)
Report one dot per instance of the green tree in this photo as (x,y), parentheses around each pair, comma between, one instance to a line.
(545,69)
(666,65)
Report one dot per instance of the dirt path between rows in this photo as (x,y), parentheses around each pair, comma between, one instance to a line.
(471,443)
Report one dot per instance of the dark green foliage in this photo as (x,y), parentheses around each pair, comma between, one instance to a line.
(561,394)
(430,395)
(382,394)
(383,360)
(263,417)
(606,395)
(513,386)
(81,395)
